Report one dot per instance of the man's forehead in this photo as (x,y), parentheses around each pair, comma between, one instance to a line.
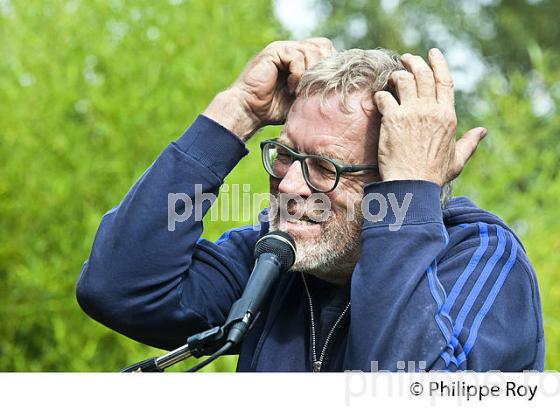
(325,115)
(326,130)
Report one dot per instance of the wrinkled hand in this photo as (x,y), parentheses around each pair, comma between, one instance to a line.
(264,91)
(270,79)
(417,137)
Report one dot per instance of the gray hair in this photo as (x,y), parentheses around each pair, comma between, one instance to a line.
(352,71)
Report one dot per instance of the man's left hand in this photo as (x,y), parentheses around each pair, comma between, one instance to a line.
(417,137)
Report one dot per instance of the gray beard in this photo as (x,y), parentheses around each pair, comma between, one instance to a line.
(333,256)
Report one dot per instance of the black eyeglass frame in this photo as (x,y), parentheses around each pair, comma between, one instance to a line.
(296,156)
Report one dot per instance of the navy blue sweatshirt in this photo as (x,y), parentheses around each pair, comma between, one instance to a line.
(451,289)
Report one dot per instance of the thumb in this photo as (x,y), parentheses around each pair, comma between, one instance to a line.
(466,146)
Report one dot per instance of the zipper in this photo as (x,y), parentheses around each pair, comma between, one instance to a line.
(317,363)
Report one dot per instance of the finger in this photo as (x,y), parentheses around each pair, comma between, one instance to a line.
(423,75)
(281,52)
(292,61)
(325,45)
(312,55)
(316,50)
(297,68)
(404,85)
(466,146)
(442,76)
(385,102)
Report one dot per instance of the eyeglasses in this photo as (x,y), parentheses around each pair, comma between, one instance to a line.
(321,174)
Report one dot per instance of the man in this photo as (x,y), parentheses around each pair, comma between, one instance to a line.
(426,283)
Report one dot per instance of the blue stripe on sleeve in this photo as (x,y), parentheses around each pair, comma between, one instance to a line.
(481,281)
(489,301)
(473,263)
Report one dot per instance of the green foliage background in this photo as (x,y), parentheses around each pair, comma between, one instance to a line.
(92,91)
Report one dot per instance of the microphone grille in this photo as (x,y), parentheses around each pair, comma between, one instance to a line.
(280,244)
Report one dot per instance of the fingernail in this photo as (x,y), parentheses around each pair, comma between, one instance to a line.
(483,132)
(406,55)
(435,51)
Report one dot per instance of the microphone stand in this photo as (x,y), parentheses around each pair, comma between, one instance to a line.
(204,343)
(213,342)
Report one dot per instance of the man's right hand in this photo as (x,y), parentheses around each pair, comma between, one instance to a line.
(265,90)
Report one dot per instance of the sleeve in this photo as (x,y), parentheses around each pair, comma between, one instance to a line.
(421,303)
(156,281)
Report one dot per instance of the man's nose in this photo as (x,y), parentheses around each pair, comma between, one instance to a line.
(294,182)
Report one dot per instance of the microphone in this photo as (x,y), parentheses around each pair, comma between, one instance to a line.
(275,253)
